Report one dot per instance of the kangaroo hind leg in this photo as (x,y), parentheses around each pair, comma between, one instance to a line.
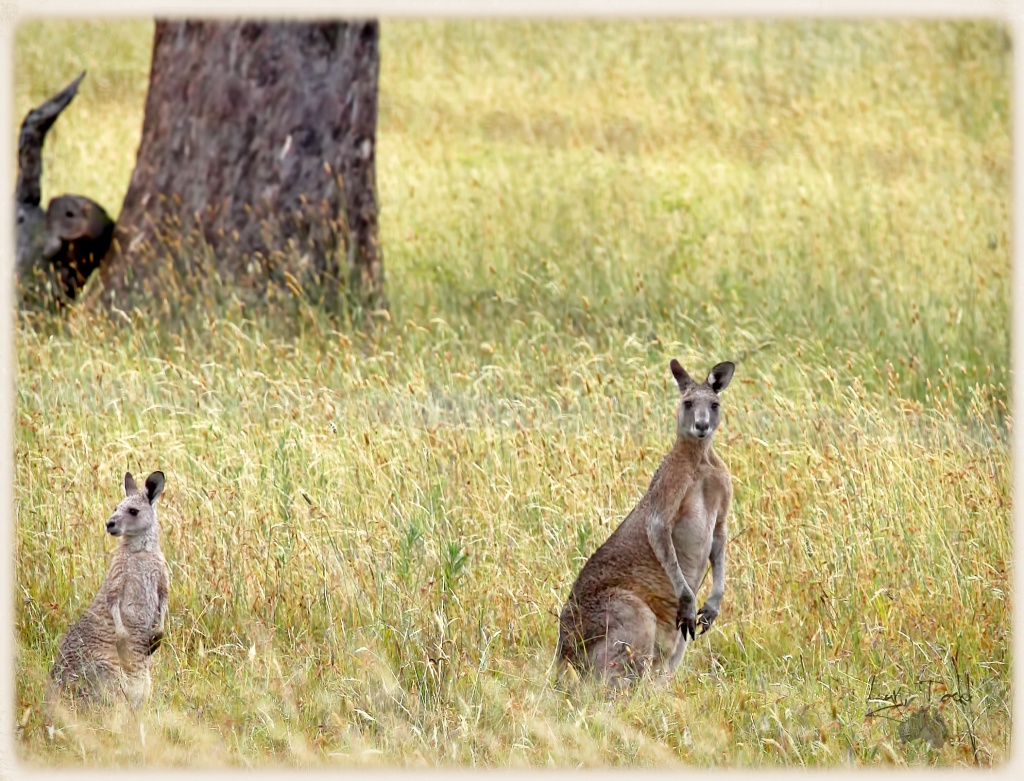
(626,650)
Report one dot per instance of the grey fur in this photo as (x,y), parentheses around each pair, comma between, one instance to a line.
(107,653)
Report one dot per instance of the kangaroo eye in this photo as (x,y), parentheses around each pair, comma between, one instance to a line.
(688,404)
(133,511)
(714,405)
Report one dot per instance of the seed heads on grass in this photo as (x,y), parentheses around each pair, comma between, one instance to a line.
(454,560)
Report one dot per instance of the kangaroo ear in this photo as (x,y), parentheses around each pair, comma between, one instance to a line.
(721,376)
(154,486)
(129,484)
(683,380)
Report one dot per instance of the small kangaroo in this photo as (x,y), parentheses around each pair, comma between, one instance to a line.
(632,608)
(108,650)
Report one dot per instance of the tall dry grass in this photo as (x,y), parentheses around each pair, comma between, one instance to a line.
(370,531)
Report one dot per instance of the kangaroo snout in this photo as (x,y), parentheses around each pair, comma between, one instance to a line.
(112,528)
(701,420)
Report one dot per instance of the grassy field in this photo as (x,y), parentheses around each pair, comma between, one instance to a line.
(370,533)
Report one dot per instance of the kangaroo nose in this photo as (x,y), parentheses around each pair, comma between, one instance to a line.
(111,524)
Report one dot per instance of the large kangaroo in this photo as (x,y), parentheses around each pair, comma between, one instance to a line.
(632,608)
(108,651)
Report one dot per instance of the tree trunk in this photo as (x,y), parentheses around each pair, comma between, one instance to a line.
(261,137)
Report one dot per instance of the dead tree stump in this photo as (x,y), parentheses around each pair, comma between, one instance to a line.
(56,250)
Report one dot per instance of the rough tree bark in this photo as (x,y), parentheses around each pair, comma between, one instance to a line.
(56,250)
(261,136)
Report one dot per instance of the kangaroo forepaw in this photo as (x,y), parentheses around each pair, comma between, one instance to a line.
(155,640)
(686,619)
(706,617)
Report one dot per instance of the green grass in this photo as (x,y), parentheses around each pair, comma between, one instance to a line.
(370,532)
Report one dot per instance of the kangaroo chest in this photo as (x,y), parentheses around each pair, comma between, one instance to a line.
(139,600)
(694,527)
